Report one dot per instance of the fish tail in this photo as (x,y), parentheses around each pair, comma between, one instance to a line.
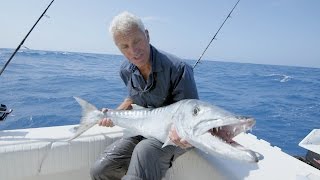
(86,106)
(86,121)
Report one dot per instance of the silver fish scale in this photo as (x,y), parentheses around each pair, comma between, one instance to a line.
(140,113)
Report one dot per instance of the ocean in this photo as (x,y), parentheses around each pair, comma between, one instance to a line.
(39,86)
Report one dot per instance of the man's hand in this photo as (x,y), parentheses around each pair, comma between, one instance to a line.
(174,137)
(106,121)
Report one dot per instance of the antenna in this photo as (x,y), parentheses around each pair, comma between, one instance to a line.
(17,49)
(214,37)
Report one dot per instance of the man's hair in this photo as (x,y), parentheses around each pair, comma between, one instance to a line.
(124,22)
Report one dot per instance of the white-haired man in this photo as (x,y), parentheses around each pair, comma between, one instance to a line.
(153,79)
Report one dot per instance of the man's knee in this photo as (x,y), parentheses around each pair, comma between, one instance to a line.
(97,170)
(146,149)
(149,160)
(102,169)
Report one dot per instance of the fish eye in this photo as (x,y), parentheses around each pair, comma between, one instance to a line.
(196,111)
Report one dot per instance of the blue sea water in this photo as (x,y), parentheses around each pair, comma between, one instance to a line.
(39,86)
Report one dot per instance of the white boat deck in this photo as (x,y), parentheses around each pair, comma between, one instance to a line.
(23,150)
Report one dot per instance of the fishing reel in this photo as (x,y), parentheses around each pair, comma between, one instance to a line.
(4,112)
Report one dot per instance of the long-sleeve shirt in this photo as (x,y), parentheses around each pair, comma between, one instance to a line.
(170,80)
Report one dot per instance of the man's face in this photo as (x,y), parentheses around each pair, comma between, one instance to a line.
(134,45)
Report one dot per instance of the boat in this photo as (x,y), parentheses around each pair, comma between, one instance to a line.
(44,153)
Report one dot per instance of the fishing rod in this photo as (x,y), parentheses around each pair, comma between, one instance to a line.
(229,15)
(17,49)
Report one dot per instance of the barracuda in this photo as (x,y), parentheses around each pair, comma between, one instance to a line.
(205,126)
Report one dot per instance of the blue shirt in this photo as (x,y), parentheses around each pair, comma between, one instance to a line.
(170,80)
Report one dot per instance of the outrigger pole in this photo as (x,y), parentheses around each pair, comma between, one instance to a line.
(17,49)
(215,34)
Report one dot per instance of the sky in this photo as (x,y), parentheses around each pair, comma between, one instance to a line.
(279,32)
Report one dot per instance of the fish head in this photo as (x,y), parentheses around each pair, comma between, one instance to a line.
(203,124)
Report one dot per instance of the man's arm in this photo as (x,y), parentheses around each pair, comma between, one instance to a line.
(184,85)
(184,88)
(126,104)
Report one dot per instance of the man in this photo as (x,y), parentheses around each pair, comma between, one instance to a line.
(153,79)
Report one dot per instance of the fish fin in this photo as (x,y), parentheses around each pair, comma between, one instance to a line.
(136,107)
(80,129)
(86,107)
(168,142)
(89,112)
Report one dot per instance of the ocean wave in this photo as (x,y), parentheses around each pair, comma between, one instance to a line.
(280,77)
(31,53)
